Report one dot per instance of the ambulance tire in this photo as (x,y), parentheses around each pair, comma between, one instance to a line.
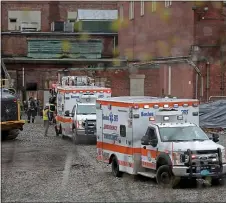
(165,177)
(75,138)
(57,131)
(115,167)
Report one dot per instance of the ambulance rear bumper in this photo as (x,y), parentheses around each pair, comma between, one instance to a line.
(184,171)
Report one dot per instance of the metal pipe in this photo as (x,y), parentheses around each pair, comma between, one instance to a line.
(196,85)
(216,97)
(169,80)
(59,33)
(207,80)
(114,45)
(23,80)
(201,89)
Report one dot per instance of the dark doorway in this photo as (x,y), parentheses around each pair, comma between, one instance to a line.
(31,86)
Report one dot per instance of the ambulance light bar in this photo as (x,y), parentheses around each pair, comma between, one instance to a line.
(146,106)
(165,118)
(166,106)
(179,117)
(136,107)
(175,105)
(156,106)
(195,105)
(185,105)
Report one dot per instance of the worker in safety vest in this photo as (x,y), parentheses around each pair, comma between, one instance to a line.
(46,118)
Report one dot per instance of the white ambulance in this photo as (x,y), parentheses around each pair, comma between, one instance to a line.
(76,111)
(158,138)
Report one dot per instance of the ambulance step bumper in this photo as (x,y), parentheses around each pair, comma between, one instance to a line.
(147,174)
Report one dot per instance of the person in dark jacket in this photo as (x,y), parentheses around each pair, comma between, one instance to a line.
(31,110)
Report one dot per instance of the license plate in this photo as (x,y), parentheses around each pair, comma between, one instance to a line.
(205,172)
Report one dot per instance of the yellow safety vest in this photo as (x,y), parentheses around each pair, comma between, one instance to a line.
(45,115)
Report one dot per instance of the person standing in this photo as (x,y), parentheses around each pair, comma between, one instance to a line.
(31,112)
(46,119)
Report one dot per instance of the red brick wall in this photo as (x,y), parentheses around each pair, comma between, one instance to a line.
(50,11)
(165,32)
(16,45)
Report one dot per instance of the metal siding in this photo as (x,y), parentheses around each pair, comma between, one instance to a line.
(38,48)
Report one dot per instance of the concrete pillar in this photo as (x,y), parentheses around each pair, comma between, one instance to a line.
(137,85)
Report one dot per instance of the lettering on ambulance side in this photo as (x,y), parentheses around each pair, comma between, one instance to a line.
(185,112)
(74,97)
(110,127)
(147,114)
(111,117)
(113,137)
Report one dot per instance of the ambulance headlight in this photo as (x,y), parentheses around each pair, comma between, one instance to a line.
(179,117)
(223,154)
(180,158)
(166,118)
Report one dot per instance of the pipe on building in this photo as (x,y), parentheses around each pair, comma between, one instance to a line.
(196,85)
(169,80)
(207,80)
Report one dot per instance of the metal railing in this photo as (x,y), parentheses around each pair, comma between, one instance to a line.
(221,97)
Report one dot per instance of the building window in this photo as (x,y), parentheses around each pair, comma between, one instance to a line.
(12,20)
(168,3)
(131,10)
(121,13)
(141,8)
(153,6)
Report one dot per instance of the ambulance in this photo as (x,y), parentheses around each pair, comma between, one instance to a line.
(157,138)
(76,111)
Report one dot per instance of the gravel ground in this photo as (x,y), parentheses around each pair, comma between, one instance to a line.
(49,169)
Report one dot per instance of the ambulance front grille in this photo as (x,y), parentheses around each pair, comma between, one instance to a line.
(90,126)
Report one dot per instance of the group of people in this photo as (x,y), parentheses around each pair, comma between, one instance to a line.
(32,109)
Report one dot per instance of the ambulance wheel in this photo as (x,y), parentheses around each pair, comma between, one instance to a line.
(115,167)
(57,131)
(165,177)
(75,139)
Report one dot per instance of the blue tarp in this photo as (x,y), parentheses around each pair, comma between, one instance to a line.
(213,115)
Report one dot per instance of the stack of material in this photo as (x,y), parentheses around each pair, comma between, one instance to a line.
(213,115)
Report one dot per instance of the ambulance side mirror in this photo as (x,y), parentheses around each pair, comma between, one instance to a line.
(67,113)
(145,141)
(215,137)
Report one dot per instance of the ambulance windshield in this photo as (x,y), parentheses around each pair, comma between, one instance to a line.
(183,134)
(84,109)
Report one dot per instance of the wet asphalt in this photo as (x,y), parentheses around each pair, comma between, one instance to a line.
(51,169)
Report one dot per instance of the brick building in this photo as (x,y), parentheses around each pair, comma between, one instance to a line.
(173,48)
(35,52)
(184,40)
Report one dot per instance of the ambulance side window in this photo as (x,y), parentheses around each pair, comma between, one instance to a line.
(151,134)
(73,110)
(122,130)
